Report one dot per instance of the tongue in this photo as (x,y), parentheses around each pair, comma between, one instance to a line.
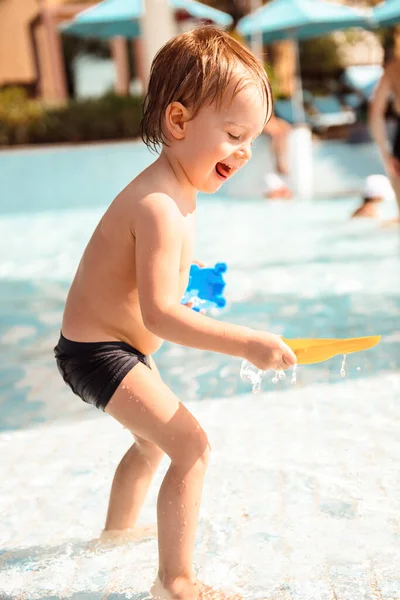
(222,169)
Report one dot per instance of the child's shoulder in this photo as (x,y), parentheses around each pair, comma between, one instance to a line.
(141,204)
(142,196)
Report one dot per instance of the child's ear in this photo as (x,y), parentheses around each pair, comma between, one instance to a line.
(176,117)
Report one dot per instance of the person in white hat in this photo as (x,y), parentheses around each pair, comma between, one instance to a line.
(376,189)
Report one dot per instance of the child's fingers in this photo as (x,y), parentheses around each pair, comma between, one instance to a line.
(288,357)
(199,263)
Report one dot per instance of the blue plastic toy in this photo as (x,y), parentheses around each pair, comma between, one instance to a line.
(206,287)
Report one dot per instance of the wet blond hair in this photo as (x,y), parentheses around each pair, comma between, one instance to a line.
(195,68)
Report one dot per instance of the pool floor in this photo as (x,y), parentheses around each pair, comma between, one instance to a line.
(302,500)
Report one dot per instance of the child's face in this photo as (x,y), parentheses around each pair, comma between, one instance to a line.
(218,140)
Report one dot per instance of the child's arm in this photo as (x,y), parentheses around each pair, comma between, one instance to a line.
(159,233)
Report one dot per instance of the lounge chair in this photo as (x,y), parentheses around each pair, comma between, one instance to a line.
(285,110)
(328,112)
(353,100)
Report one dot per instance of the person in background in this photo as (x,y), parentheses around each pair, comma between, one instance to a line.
(278,130)
(387,89)
(376,189)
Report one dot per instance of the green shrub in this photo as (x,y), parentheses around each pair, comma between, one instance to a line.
(319,55)
(111,117)
(274,81)
(17,115)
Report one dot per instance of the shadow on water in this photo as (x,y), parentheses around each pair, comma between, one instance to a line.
(36,559)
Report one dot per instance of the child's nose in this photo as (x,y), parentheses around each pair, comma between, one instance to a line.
(244,152)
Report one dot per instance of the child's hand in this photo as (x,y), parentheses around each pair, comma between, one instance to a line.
(269,351)
(199,263)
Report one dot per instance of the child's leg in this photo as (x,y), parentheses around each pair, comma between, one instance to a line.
(146,406)
(131,481)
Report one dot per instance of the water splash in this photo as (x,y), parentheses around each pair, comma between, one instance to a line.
(251,373)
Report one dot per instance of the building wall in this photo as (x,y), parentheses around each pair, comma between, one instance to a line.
(17,43)
(17,63)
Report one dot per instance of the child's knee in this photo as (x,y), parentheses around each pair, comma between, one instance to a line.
(192,450)
(150,451)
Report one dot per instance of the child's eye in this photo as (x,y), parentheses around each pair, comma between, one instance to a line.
(234,137)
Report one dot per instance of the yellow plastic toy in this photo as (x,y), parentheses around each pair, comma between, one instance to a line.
(309,351)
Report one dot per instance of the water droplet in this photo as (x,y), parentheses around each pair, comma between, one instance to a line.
(342,368)
(294,375)
(256,387)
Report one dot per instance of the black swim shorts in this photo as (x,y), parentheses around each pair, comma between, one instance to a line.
(94,370)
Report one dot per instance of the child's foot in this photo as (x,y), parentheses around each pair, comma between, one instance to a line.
(125,536)
(185,589)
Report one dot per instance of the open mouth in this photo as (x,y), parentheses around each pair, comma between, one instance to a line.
(223,170)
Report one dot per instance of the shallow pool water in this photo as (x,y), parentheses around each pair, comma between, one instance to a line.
(300,270)
(303,495)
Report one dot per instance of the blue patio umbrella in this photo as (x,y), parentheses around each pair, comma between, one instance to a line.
(300,20)
(387,13)
(112,18)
